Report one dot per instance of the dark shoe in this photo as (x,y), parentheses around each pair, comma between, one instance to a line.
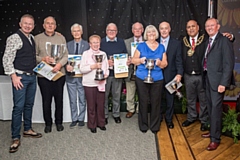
(212,146)
(170,125)
(203,127)
(48,129)
(73,124)
(144,131)
(106,121)
(117,119)
(59,127)
(102,128)
(93,130)
(129,114)
(14,146)
(187,123)
(81,123)
(31,133)
(154,132)
(206,135)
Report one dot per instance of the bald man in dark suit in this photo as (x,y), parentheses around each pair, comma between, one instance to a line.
(174,68)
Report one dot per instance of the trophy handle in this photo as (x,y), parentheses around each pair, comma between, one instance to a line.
(47,44)
(63,48)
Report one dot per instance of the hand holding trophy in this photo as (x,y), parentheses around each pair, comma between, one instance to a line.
(72,63)
(56,51)
(149,64)
(112,62)
(178,93)
(98,58)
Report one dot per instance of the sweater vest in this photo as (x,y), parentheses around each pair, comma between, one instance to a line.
(25,59)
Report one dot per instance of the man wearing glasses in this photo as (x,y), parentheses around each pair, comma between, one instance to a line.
(111,44)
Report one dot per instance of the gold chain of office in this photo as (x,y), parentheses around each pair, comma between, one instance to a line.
(190,52)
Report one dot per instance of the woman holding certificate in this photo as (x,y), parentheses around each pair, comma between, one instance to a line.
(150,58)
(94,66)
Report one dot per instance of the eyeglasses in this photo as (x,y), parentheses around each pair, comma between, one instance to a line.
(111,30)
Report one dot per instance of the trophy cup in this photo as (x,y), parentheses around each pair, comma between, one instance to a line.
(56,51)
(99,72)
(133,74)
(132,69)
(149,65)
(72,63)
(111,58)
(174,87)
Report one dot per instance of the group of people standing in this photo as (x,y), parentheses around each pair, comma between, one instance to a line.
(195,57)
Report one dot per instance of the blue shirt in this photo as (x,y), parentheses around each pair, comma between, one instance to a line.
(145,51)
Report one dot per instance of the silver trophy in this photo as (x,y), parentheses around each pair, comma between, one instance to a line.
(56,51)
(149,65)
(72,63)
(99,72)
(111,58)
(174,87)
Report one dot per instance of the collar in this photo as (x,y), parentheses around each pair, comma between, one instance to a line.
(107,39)
(195,38)
(165,39)
(213,37)
(48,35)
(140,39)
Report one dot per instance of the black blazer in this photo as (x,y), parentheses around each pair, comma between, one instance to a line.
(174,59)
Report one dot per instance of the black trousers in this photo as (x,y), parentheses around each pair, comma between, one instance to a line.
(153,93)
(50,89)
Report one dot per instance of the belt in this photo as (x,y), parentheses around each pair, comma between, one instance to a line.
(23,72)
(195,73)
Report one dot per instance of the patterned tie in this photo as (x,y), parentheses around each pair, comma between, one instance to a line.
(76,51)
(208,50)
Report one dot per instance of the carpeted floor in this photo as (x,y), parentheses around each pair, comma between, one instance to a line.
(120,142)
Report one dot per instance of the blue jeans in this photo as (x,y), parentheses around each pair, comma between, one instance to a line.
(76,92)
(23,101)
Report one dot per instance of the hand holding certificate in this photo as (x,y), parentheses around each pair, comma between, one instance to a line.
(45,70)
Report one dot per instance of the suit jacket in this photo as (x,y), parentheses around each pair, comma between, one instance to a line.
(220,62)
(84,46)
(128,47)
(174,58)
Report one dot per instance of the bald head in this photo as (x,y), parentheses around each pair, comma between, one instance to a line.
(137,29)
(49,25)
(164,29)
(192,28)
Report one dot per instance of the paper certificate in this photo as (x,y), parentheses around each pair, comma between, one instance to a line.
(133,47)
(45,70)
(77,60)
(120,63)
(173,86)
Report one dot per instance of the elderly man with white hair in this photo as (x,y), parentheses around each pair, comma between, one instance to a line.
(74,81)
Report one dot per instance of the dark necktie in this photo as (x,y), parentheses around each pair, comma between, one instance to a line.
(76,51)
(137,40)
(208,50)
